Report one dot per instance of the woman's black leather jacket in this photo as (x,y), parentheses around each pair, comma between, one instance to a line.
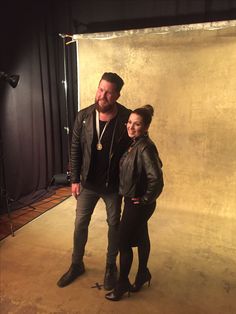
(140,172)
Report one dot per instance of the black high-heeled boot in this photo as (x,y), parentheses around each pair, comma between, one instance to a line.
(120,289)
(140,279)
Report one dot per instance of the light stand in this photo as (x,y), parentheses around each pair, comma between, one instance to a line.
(64,178)
(13,81)
(4,196)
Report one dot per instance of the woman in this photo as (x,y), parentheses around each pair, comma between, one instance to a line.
(141,182)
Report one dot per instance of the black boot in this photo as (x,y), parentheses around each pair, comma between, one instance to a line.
(74,271)
(140,279)
(120,289)
(110,277)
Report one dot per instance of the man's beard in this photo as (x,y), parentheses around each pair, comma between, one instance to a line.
(105,109)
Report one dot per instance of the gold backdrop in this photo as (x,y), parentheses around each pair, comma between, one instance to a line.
(188,73)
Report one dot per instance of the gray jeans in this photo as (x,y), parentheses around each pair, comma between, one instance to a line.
(86,203)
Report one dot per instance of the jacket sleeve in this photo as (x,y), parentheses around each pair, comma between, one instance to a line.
(76,150)
(152,166)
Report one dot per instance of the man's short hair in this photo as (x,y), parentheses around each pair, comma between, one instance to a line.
(113,78)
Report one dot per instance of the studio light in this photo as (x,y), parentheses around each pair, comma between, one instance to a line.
(12,79)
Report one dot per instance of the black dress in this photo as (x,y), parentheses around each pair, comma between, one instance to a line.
(133,225)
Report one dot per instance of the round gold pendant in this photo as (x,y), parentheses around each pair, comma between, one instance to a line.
(99,146)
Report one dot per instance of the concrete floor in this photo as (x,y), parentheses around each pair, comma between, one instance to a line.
(193,264)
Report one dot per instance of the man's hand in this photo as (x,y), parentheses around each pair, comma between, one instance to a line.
(75,189)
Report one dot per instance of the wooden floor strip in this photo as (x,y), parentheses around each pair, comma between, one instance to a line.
(22,216)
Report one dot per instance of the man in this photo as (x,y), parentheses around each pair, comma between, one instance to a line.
(99,140)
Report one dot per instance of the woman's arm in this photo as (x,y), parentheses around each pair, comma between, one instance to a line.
(152,165)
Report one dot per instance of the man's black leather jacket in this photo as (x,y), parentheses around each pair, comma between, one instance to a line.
(81,145)
(140,172)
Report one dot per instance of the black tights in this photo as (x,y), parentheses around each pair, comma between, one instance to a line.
(126,256)
(134,232)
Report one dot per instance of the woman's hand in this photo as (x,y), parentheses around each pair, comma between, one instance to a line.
(135,200)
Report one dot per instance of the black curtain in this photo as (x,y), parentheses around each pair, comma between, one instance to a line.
(34,143)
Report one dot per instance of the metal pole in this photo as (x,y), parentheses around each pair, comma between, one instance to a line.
(64,82)
(78,73)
